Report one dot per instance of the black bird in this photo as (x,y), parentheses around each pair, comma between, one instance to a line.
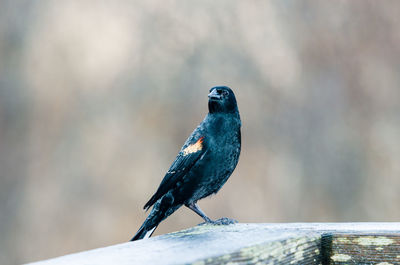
(203,165)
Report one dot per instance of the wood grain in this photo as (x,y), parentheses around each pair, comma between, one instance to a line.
(293,243)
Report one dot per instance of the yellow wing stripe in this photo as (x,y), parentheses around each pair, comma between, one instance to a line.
(193,148)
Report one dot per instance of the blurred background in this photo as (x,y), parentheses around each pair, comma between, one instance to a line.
(96,99)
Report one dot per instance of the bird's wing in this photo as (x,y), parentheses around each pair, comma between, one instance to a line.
(191,152)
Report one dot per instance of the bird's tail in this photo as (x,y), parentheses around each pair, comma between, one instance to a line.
(143,232)
(161,210)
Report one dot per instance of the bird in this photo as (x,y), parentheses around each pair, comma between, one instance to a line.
(202,166)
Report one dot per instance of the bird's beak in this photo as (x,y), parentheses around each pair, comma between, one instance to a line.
(214,95)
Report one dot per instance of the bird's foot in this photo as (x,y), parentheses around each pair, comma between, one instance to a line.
(221,221)
(225,221)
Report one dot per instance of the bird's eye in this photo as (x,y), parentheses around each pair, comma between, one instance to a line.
(225,93)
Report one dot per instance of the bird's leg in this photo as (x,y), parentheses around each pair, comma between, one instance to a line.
(194,207)
(222,221)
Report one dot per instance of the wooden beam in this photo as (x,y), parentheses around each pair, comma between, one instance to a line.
(295,243)
(362,248)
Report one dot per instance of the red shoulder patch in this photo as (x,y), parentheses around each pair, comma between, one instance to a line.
(193,148)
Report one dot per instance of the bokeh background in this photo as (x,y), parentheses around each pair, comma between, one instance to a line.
(97,97)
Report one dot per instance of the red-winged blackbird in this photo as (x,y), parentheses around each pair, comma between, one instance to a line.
(203,165)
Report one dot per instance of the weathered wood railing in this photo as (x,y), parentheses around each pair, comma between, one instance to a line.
(295,243)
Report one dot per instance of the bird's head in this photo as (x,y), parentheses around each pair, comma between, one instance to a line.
(222,99)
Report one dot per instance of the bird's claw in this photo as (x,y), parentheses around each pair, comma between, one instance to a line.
(225,221)
(221,221)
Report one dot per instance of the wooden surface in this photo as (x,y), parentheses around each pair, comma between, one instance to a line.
(295,243)
(362,248)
